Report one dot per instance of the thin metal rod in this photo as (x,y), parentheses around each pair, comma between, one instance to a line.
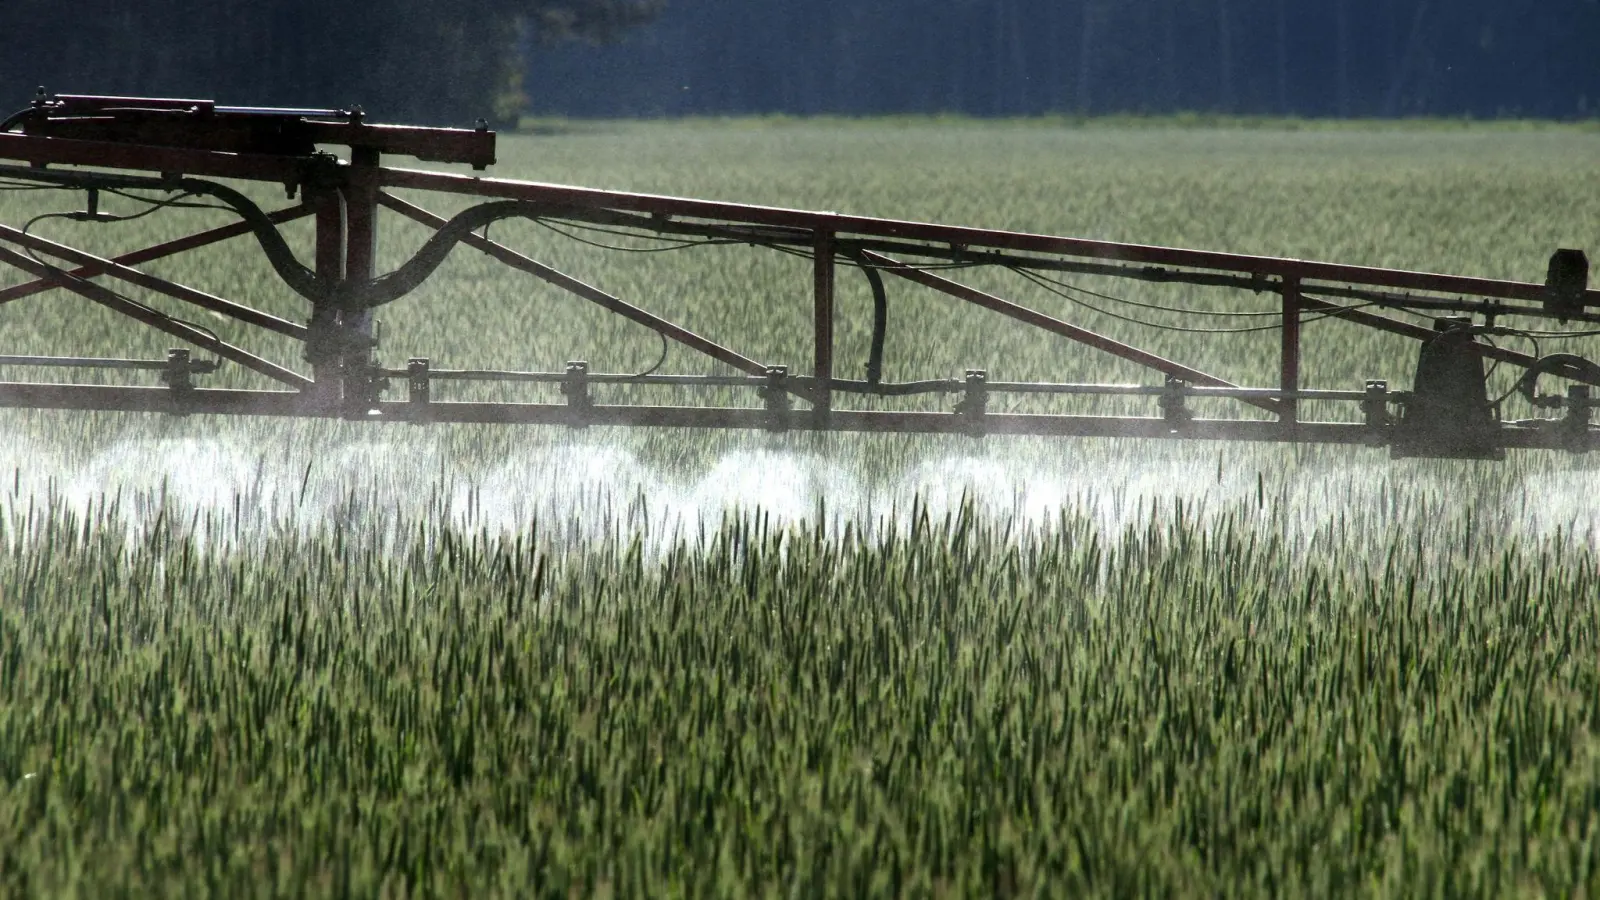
(159,251)
(1289,355)
(886,389)
(285,403)
(155,283)
(822,322)
(588,292)
(1067,330)
(1420,333)
(157,320)
(84,362)
(506,375)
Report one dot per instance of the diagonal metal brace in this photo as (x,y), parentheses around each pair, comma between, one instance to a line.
(586,291)
(1056,326)
(160,285)
(154,318)
(158,251)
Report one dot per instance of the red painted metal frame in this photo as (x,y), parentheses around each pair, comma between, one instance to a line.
(344,200)
(843,225)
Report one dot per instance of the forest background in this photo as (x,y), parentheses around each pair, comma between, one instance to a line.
(451,62)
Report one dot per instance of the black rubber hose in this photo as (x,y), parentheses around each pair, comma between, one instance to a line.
(17,118)
(300,278)
(880,317)
(1567,365)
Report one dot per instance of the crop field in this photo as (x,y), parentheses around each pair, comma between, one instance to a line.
(262,658)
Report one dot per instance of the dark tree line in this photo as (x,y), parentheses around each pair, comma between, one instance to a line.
(445,61)
(451,61)
(1018,57)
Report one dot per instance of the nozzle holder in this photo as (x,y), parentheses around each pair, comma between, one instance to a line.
(1565,282)
(974,403)
(775,398)
(1172,401)
(575,387)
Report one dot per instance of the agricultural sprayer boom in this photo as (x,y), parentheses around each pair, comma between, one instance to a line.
(167,152)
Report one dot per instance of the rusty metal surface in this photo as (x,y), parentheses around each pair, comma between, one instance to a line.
(842,225)
(176,137)
(1056,326)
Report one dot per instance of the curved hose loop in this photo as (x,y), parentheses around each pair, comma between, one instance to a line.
(1572,364)
(300,278)
(880,315)
(17,118)
(388,288)
(365,295)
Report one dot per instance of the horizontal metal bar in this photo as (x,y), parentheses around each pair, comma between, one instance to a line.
(886,389)
(83,362)
(154,318)
(851,226)
(287,403)
(505,375)
(284,111)
(109,154)
(1148,390)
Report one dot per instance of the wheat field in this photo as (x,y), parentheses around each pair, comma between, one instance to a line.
(257,658)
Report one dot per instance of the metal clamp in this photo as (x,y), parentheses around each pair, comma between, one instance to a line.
(1375,412)
(775,398)
(576,389)
(1575,424)
(178,375)
(1173,411)
(419,384)
(974,404)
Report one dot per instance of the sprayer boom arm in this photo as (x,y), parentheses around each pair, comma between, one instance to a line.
(127,144)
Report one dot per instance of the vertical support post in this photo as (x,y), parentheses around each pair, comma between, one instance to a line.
(360,259)
(1289,367)
(822,360)
(330,250)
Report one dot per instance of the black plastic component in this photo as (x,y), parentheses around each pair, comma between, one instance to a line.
(975,404)
(420,387)
(1448,415)
(775,398)
(880,319)
(1580,411)
(1565,282)
(576,389)
(1375,412)
(1173,410)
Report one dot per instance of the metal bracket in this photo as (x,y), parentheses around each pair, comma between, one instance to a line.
(974,404)
(1173,411)
(1375,412)
(576,389)
(419,386)
(775,398)
(178,375)
(1575,424)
